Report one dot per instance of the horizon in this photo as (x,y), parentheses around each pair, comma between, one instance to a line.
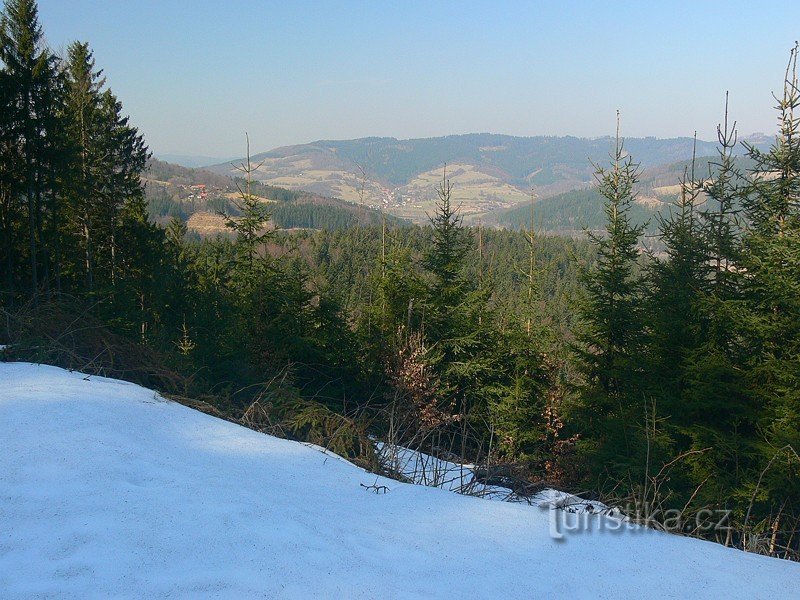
(196,163)
(311,72)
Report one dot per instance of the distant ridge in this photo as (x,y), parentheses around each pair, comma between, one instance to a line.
(191,161)
(197,196)
(490,172)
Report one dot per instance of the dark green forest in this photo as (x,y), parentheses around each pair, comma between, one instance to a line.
(575,211)
(665,384)
(571,213)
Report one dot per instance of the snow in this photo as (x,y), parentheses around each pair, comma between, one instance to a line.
(108,490)
(423,469)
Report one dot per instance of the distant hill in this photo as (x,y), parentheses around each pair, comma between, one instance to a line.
(572,212)
(190,160)
(197,196)
(489,172)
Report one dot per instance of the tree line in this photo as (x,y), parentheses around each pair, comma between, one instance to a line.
(72,210)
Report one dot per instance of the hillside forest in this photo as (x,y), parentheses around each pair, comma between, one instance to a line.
(666,383)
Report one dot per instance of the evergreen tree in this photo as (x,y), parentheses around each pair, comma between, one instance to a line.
(10,209)
(770,266)
(715,412)
(528,391)
(250,226)
(30,100)
(121,200)
(676,284)
(458,326)
(450,319)
(115,249)
(612,399)
(84,84)
(445,261)
(399,293)
(720,220)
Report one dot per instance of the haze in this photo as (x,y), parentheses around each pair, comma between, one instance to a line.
(195,76)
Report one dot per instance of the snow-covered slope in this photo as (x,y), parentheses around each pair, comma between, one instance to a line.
(106,490)
(423,469)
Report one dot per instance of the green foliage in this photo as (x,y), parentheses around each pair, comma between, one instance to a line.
(770,319)
(448,289)
(31,128)
(573,212)
(612,341)
(250,227)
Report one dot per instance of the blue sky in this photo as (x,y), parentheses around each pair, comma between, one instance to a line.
(195,75)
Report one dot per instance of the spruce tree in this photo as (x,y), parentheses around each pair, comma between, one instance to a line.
(715,414)
(121,199)
(445,262)
(720,216)
(114,250)
(770,266)
(250,226)
(31,86)
(611,342)
(457,324)
(10,209)
(527,390)
(676,283)
(84,85)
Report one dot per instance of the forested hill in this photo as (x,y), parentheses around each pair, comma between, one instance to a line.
(198,197)
(522,160)
(490,172)
(575,211)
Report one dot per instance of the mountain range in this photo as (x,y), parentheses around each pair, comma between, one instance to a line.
(490,172)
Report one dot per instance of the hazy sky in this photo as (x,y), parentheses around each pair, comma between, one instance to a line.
(194,74)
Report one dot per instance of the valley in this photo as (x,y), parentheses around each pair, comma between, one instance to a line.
(490,173)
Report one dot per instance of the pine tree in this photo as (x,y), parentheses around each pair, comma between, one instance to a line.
(250,226)
(445,261)
(84,85)
(771,278)
(611,343)
(676,282)
(715,414)
(31,87)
